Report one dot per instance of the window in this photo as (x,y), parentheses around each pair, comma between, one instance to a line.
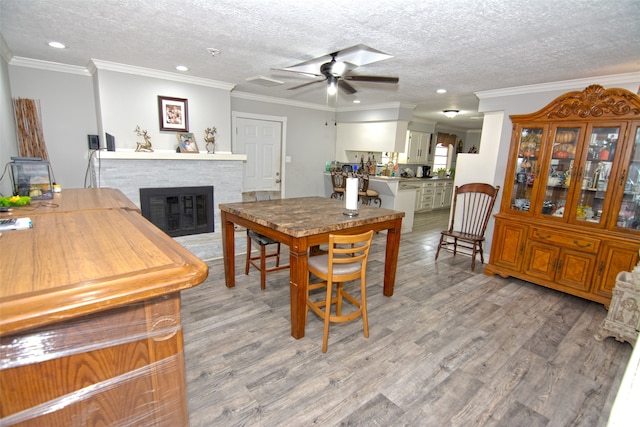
(441,157)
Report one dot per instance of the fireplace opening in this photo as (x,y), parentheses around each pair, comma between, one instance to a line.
(179,211)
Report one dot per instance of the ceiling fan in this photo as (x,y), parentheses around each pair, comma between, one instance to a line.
(335,68)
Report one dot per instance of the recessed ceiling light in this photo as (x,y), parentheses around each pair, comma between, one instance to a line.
(441,91)
(57,45)
(451,113)
(356,101)
(181,68)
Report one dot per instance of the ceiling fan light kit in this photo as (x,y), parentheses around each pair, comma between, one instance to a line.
(451,113)
(335,72)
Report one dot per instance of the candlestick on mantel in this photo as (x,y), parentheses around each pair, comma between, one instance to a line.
(351,197)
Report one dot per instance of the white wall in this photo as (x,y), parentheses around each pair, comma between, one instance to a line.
(68,116)
(128,100)
(8,141)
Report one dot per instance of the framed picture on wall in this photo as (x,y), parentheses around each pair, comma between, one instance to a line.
(174,114)
(187,142)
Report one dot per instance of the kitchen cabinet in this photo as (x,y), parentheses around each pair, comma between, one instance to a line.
(417,147)
(433,194)
(443,193)
(370,136)
(572,194)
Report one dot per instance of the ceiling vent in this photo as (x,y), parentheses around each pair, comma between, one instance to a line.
(264,81)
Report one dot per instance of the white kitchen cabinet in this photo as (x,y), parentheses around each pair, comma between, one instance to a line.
(443,192)
(417,147)
(388,136)
(448,194)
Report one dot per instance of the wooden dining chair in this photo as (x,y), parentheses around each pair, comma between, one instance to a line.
(260,261)
(339,183)
(471,210)
(365,194)
(345,261)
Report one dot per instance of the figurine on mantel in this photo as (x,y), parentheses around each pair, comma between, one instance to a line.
(623,319)
(146,145)
(210,139)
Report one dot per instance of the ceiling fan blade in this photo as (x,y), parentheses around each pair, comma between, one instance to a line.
(297,72)
(346,87)
(306,84)
(377,79)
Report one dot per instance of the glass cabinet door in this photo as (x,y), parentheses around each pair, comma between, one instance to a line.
(529,147)
(559,172)
(628,212)
(594,171)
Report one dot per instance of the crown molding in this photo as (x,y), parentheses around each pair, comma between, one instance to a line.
(274,100)
(97,64)
(19,61)
(564,85)
(5,52)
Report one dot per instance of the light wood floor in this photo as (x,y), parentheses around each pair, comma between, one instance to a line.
(450,347)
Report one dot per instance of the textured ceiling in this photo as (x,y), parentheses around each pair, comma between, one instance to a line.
(464,46)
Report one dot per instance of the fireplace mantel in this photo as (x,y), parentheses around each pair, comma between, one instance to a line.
(168,155)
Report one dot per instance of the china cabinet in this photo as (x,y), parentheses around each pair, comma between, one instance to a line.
(570,213)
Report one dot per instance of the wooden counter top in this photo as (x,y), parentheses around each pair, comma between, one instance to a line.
(306,216)
(73,263)
(75,199)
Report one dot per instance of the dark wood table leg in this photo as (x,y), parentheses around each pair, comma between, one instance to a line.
(299,280)
(391,257)
(228,250)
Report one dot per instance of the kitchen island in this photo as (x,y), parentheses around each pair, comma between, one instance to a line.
(408,195)
(395,193)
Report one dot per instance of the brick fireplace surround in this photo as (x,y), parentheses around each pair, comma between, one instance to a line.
(129,171)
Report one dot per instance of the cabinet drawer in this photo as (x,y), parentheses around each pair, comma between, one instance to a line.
(428,190)
(439,184)
(578,243)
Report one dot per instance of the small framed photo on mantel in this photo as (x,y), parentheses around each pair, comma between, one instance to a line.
(187,142)
(174,114)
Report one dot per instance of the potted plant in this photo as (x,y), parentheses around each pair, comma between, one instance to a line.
(440,172)
(452,172)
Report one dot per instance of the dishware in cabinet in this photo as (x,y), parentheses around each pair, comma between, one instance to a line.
(626,200)
(523,169)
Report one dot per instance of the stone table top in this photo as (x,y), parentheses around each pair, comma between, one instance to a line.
(307,216)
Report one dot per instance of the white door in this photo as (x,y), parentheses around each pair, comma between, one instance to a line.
(261,141)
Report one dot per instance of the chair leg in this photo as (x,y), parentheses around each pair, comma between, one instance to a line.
(439,246)
(363,306)
(327,315)
(473,258)
(339,290)
(455,246)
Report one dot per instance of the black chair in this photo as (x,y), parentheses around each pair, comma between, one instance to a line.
(471,210)
(260,261)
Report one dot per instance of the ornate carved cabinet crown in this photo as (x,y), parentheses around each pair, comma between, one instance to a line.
(570,212)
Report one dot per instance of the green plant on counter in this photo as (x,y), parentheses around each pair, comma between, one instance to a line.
(441,172)
(452,172)
(15,200)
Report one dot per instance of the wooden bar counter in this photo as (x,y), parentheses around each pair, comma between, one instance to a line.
(90,329)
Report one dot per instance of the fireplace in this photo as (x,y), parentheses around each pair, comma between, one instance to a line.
(179,211)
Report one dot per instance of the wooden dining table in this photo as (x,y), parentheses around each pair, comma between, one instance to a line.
(301,224)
